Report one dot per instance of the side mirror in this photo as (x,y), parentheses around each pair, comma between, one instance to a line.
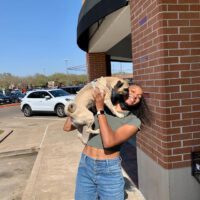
(47,97)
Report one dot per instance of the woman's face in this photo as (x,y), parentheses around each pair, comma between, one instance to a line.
(135,95)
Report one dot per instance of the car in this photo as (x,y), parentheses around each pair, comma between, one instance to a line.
(4,99)
(46,100)
(16,97)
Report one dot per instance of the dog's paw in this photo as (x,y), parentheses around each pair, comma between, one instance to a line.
(120,115)
(97,131)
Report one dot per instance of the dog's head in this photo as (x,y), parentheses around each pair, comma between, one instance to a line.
(121,87)
(119,91)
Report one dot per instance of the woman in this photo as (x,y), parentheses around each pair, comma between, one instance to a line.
(99,173)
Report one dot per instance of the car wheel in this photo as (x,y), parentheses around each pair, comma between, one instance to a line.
(60,110)
(27,111)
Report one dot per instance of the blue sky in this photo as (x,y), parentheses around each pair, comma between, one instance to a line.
(38,36)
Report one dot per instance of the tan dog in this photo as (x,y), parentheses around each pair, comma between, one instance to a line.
(79,111)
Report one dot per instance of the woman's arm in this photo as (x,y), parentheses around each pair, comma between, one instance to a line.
(68,126)
(109,137)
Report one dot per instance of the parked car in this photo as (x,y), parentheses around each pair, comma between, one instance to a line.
(16,97)
(4,99)
(72,89)
(46,100)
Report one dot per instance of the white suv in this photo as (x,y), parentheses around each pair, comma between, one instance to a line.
(46,100)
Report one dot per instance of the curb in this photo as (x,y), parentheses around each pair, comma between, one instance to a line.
(9,105)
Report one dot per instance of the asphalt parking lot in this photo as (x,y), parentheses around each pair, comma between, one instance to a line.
(20,143)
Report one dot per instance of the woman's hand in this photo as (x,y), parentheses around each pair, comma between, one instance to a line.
(68,126)
(98,98)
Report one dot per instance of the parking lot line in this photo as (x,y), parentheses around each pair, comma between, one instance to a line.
(39,118)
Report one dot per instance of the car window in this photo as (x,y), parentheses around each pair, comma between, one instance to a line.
(72,89)
(43,94)
(38,94)
(33,95)
(59,93)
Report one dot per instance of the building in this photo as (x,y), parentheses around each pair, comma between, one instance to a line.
(162,39)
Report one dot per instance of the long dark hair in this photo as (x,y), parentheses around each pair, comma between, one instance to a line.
(142,111)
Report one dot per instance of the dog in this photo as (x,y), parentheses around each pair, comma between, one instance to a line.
(82,117)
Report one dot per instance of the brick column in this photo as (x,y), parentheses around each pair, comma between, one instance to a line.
(98,65)
(166,57)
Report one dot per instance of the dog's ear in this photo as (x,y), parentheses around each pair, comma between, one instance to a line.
(118,85)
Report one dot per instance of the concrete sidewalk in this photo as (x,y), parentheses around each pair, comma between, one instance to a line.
(54,170)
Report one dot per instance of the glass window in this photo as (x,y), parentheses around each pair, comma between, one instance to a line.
(59,93)
(38,94)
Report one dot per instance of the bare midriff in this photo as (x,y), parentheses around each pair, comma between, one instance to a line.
(99,154)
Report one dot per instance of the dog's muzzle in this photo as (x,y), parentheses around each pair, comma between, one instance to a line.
(124,92)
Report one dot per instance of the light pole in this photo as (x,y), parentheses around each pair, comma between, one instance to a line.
(66,63)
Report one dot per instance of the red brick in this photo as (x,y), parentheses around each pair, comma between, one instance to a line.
(173,47)
(196,107)
(190,59)
(182,150)
(171,144)
(189,44)
(191,73)
(190,87)
(187,156)
(169,103)
(196,135)
(189,15)
(191,115)
(181,123)
(189,1)
(196,121)
(181,109)
(166,165)
(179,67)
(178,7)
(181,95)
(181,164)
(191,101)
(167,1)
(172,158)
(179,137)
(191,142)
(191,129)
(195,7)
(180,81)
(195,94)
(178,22)
(189,30)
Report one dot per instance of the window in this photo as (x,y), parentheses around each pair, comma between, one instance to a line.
(38,94)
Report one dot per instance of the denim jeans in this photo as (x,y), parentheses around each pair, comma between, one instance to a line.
(99,179)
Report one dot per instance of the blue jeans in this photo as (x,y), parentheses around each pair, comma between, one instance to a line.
(99,179)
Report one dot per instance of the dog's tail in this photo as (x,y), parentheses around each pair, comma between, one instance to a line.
(71,108)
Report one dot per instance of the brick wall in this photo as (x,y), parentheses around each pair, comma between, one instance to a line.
(98,65)
(166,57)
